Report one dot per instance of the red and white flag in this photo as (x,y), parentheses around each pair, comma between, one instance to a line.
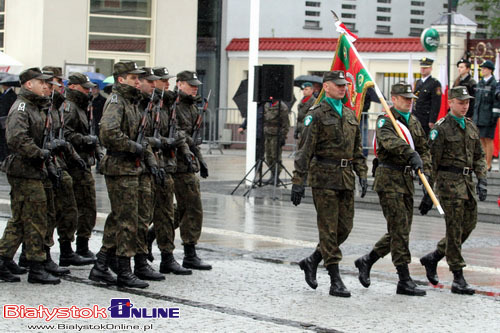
(443,79)
(341,28)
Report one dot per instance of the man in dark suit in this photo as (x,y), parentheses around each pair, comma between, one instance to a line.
(428,90)
(465,79)
(7,98)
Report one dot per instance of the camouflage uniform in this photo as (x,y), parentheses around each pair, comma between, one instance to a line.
(458,148)
(305,104)
(330,150)
(276,125)
(25,173)
(394,184)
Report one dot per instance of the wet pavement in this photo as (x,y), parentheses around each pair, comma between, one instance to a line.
(254,245)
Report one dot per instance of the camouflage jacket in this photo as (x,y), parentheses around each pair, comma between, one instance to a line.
(186,114)
(302,109)
(76,125)
(453,146)
(327,139)
(393,150)
(276,120)
(24,134)
(119,129)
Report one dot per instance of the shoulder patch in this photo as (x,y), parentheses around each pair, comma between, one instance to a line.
(114,98)
(433,134)
(438,91)
(308,120)
(21,106)
(314,107)
(380,122)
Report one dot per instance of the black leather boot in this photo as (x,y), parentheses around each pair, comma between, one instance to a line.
(406,286)
(459,285)
(23,261)
(430,262)
(125,276)
(82,248)
(5,273)
(112,261)
(51,267)
(337,287)
(364,265)
(39,274)
(191,260)
(100,271)
(170,265)
(151,238)
(310,266)
(144,271)
(69,257)
(13,267)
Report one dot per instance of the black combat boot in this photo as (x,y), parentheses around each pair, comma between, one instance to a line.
(170,265)
(191,260)
(310,266)
(337,287)
(406,286)
(13,267)
(112,261)
(51,267)
(430,262)
(23,261)
(144,271)
(5,273)
(39,274)
(364,264)
(100,271)
(459,285)
(82,248)
(69,257)
(151,238)
(125,276)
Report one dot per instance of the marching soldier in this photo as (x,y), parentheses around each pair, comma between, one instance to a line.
(276,126)
(465,79)
(305,104)
(330,152)
(456,153)
(394,184)
(428,91)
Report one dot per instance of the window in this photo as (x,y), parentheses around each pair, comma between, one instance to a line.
(383,18)
(416,12)
(348,15)
(350,26)
(383,9)
(384,1)
(415,32)
(482,26)
(481,17)
(383,29)
(310,24)
(311,13)
(418,3)
(479,9)
(313,3)
(348,6)
(2,24)
(417,21)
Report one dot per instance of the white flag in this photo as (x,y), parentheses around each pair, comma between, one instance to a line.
(476,70)
(410,71)
(497,67)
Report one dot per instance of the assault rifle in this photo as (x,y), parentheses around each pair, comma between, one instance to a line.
(142,125)
(199,121)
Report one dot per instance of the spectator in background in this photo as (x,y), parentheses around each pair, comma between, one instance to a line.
(7,98)
(98,105)
(465,79)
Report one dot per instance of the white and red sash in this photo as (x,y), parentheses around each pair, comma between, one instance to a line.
(406,134)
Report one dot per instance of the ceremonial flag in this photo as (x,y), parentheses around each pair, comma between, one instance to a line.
(443,79)
(476,70)
(410,71)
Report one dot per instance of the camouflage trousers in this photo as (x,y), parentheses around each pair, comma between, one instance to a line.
(461,218)
(398,212)
(189,211)
(163,217)
(273,149)
(66,209)
(51,212)
(335,214)
(85,195)
(28,223)
(125,229)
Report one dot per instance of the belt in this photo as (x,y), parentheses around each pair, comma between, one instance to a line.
(344,162)
(464,171)
(402,168)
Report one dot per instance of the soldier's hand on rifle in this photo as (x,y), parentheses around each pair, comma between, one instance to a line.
(167,143)
(481,189)
(163,175)
(45,154)
(189,159)
(415,162)
(90,140)
(363,182)
(81,164)
(155,143)
(298,192)
(138,149)
(156,174)
(426,204)
(203,169)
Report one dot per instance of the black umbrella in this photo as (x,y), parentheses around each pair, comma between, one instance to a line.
(10,80)
(299,80)
(241,97)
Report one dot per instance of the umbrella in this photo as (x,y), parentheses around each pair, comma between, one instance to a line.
(96,78)
(241,97)
(109,79)
(299,80)
(11,80)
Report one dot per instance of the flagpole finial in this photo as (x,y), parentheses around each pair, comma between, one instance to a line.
(335,16)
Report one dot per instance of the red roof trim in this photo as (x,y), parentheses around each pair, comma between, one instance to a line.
(329,44)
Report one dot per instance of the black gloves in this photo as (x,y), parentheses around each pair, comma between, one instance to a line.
(416,162)
(45,154)
(157,176)
(282,141)
(139,149)
(90,140)
(189,158)
(203,169)
(167,143)
(81,164)
(425,205)
(55,175)
(296,134)
(162,174)
(481,189)
(298,192)
(364,186)
(155,143)
(374,166)
(56,146)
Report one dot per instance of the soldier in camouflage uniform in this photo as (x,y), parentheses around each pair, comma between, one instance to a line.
(276,126)
(394,185)
(305,104)
(26,169)
(126,158)
(187,186)
(329,153)
(456,152)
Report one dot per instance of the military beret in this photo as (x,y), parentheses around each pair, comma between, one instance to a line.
(459,92)
(464,61)
(402,89)
(148,74)
(162,72)
(57,71)
(126,67)
(488,64)
(306,84)
(426,62)
(32,73)
(338,77)
(190,77)
(81,79)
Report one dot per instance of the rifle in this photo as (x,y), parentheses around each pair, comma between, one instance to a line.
(48,143)
(172,129)
(157,125)
(199,120)
(142,126)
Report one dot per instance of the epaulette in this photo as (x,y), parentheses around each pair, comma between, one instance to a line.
(314,107)
(21,106)
(114,98)
(66,106)
(440,121)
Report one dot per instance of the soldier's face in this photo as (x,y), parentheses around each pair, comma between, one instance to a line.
(401,103)
(462,69)
(425,71)
(131,80)
(47,90)
(307,91)
(187,88)
(80,88)
(459,107)
(162,84)
(485,71)
(334,90)
(38,87)
(55,86)
(147,86)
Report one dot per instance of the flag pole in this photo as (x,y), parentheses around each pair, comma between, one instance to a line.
(428,188)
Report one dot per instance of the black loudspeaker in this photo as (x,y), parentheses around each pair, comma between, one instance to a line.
(273,82)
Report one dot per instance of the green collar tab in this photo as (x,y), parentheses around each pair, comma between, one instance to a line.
(336,104)
(405,115)
(460,121)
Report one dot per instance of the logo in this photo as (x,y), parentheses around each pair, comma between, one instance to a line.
(465,91)
(87,78)
(430,39)
(433,134)
(381,123)
(123,308)
(308,120)
(194,76)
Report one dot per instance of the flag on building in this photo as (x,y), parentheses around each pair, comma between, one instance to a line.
(443,79)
